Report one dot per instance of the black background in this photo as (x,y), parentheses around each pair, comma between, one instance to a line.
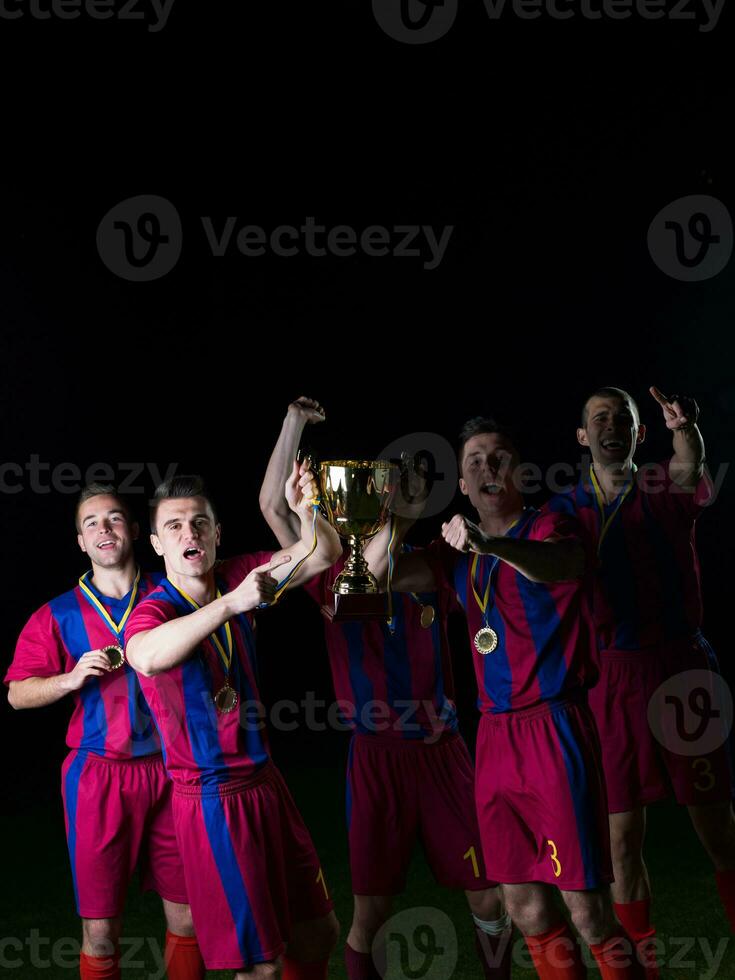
(548,145)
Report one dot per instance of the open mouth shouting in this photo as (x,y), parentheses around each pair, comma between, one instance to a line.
(193,554)
(490,489)
(614,445)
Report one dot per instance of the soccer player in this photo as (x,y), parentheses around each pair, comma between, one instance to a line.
(648,613)
(409,772)
(252,874)
(519,573)
(117,797)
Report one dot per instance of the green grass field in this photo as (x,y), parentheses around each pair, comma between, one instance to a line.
(40,926)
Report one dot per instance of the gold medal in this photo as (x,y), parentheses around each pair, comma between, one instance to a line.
(226,699)
(427,616)
(115,655)
(486,640)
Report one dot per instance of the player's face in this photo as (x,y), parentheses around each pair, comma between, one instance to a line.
(106,534)
(612,431)
(489,461)
(187,536)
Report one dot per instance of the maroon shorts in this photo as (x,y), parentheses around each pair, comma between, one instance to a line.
(118,814)
(541,798)
(403,790)
(642,755)
(251,868)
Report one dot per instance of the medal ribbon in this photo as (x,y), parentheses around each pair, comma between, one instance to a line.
(116,628)
(225,655)
(391,569)
(605,522)
(475,578)
(284,584)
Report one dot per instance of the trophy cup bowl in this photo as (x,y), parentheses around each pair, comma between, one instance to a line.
(356,496)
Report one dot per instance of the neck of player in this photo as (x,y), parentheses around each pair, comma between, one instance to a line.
(201,588)
(499,520)
(114,582)
(613,477)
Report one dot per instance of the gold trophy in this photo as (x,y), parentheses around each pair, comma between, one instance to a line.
(356,497)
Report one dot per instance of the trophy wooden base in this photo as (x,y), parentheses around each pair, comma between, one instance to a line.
(351,608)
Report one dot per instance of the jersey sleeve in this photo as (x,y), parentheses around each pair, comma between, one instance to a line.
(665,495)
(39,651)
(147,615)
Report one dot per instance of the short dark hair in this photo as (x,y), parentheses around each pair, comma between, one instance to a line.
(608,391)
(178,488)
(477,426)
(96,489)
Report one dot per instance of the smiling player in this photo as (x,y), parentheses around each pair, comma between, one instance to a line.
(648,614)
(117,798)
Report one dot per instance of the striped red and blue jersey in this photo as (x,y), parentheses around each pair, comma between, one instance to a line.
(396,683)
(202,746)
(647,582)
(110,716)
(546,648)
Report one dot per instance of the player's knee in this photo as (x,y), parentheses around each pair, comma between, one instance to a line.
(627,855)
(486,904)
(530,914)
(178,919)
(593,921)
(101,936)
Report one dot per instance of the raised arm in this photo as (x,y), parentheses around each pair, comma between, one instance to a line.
(680,415)
(273,504)
(171,643)
(552,560)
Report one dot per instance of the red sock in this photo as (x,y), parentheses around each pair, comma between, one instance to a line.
(616,958)
(556,954)
(635,918)
(360,966)
(296,970)
(99,967)
(726,888)
(183,959)
(494,953)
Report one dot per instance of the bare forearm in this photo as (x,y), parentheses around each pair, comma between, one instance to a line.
(687,463)
(279,468)
(539,561)
(327,551)
(37,692)
(170,644)
(376,550)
